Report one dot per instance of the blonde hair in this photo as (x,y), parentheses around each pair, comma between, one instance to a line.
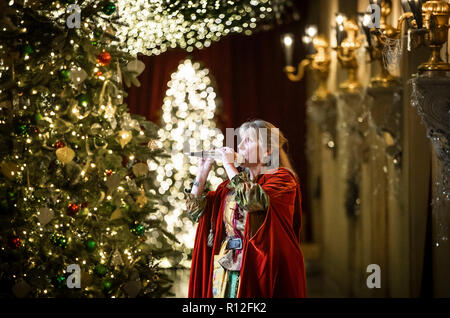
(275,138)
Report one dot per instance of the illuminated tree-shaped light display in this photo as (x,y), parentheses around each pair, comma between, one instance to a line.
(187,123)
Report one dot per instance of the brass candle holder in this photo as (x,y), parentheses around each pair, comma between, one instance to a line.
(319,63)
(377,42)
(346,53)
(430,24)
(435,16)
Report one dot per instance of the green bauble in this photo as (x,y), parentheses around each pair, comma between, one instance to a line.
(90,245)
(94,43)
(65,75)
(138,229)
(59,281)
(100,270)
(107,285)
(83,100)
(109,8)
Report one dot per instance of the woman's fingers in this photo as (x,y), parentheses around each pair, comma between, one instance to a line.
(227,154)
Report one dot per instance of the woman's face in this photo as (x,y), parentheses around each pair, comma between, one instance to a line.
(250,149)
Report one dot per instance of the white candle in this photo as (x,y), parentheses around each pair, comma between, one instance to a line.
(288,46)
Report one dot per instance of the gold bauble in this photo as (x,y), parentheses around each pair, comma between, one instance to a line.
(124,137)
(65,154)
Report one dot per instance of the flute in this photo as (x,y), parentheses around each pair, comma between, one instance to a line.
(238,158)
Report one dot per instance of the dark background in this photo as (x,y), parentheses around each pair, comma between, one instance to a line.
(248,76)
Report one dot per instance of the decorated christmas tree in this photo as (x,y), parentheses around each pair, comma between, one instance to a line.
(187,124)
(75,188)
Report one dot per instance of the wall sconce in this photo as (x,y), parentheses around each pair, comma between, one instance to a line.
(429,19)
(348,43)
(318,60)
(376,40)
(435,19)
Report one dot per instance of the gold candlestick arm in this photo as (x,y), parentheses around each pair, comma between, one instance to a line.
(383,78)
(292,75)
(346,54)
(318,63)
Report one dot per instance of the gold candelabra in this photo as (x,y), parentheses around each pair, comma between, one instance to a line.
(382,78)
(435,16)
(346,53)
(319,63)
(430,20)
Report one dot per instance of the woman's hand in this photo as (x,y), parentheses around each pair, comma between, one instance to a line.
(228,155)
(204,166)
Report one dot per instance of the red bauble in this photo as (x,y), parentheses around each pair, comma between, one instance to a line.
(104,58)
(108,172)
(98,73)
(59,144)
(14,242)
(72,209)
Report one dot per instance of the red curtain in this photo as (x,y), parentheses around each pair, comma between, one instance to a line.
(250,82)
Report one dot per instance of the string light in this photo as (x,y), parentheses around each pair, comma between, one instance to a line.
(152,27)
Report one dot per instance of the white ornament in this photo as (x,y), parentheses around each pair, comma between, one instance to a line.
(45,215)
(77,76)
(65,154)
(136,67)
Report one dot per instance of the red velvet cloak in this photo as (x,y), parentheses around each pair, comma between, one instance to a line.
(272,262)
